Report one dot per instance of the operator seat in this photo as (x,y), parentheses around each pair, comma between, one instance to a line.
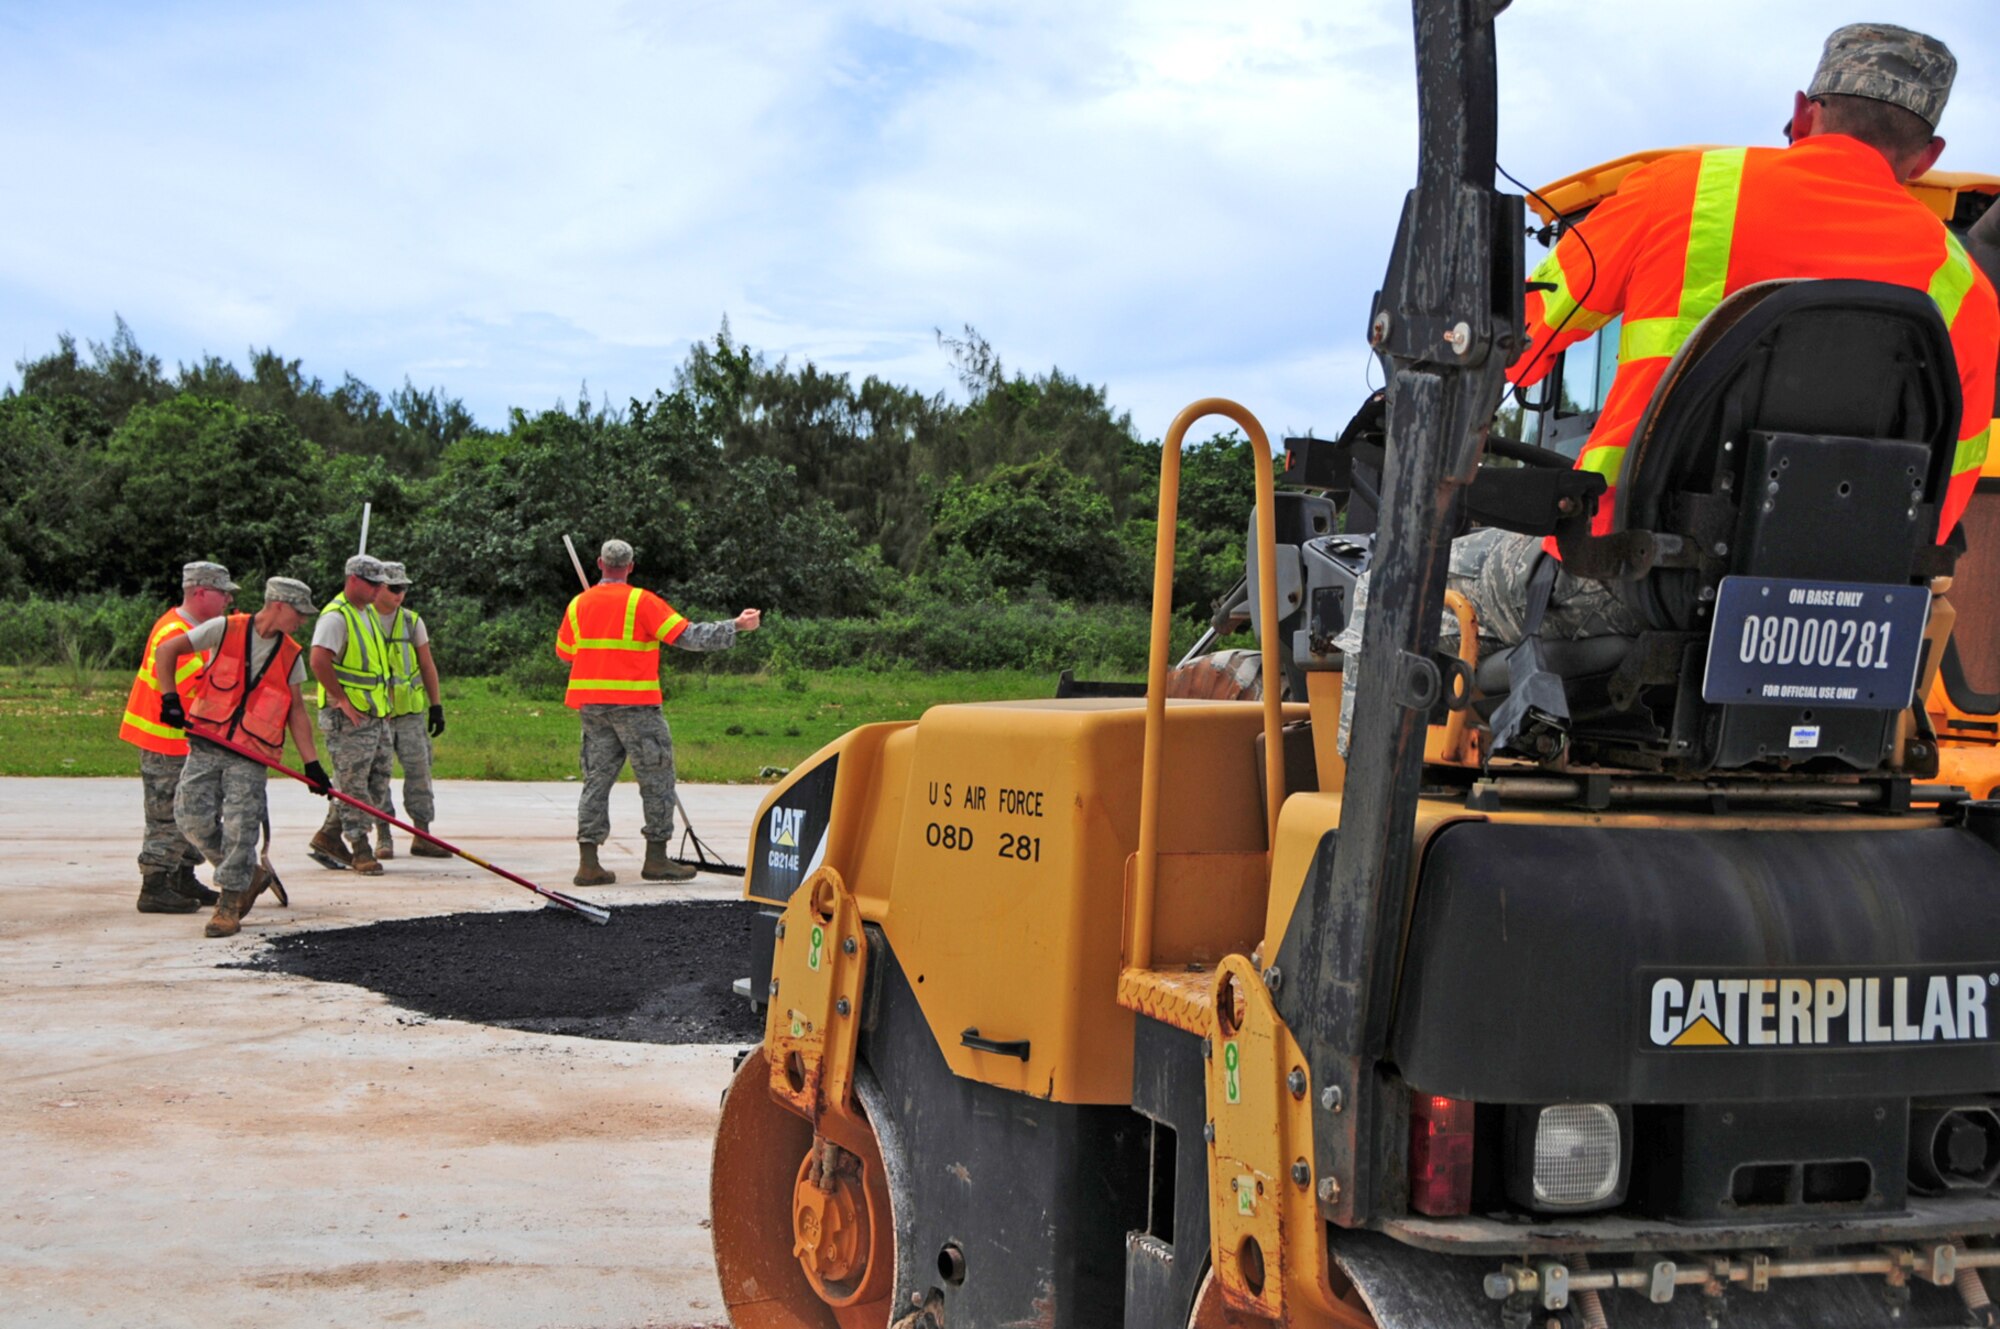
(1805,430)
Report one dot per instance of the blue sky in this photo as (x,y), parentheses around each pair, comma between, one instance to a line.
(511,200)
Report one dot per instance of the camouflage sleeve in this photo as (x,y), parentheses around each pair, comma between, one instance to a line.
(707,636)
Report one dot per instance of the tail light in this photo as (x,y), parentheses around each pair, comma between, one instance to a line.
(1440,1155)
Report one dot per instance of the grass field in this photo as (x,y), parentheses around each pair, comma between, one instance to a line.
(63,720)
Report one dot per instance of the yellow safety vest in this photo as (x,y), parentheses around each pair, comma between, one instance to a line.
(406,676)
(363,665)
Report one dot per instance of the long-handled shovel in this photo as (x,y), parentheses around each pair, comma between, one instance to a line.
(595,913)
(704,858)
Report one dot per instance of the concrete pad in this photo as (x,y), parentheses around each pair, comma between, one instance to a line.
(187,1145)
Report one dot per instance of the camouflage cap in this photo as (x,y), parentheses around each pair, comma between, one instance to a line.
(1885,63)
(367,567)
(289,591)
(397,576)
(615,554)
(212,575)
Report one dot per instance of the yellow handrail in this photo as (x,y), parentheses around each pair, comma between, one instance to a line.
(1140,951)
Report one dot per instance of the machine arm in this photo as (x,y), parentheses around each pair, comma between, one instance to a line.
(1446,324)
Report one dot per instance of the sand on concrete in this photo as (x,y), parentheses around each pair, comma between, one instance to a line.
(182,1144)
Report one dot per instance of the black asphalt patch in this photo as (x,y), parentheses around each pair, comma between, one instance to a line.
(658,973)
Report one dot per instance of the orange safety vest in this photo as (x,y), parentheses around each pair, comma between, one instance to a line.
(1686,231)
(231,704)
(141,726)
(611,636)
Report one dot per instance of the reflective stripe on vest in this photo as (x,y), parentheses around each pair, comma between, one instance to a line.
(621,669)
(140,725)
(1950,284)
(406,683)
(362,668)
(1705,280)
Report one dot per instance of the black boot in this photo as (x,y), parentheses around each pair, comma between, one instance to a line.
(158,896)
(189,885)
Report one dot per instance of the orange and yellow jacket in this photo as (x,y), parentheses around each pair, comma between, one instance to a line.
(611,636)
(141,726)
(1683,232)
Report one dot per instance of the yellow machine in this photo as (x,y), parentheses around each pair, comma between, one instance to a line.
(1642,1004)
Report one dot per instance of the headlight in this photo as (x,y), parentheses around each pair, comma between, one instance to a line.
(1567,1156)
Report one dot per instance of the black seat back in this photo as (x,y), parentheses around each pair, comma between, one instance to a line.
(1849,359)
(1805,430)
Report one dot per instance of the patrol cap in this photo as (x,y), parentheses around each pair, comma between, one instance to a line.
(289,591)
(1885,63)
(367,567)
(397,576)
(212,575)
(616,554)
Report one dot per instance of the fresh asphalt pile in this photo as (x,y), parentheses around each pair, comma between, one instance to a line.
(661,973)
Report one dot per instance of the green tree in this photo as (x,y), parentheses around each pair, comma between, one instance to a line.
(203,479)
(1036,525)
(58,511)
(117,378)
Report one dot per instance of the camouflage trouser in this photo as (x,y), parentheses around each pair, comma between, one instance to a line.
(352,750)
(165,848)
(1491,569)
(220,808)
(613,735)
(410,743)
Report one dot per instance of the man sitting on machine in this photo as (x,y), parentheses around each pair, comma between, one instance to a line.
(1683,233)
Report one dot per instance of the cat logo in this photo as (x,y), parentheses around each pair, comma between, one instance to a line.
(1847,1011)
(785,826)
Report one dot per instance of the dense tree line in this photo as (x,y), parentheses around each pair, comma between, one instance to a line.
(747,481)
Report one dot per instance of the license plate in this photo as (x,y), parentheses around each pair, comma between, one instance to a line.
(1782,642)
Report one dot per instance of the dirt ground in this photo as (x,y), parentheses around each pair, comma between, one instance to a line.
(190,1136)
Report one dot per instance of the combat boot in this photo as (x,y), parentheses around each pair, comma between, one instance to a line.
(588,870)
(190,885)
(658,867)
(385,847)
(361,858)
(326,850)
(260,878)
(423,848)
(227,920)
(158,896)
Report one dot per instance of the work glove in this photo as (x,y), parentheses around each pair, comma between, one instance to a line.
(436,725)
(172,713)
(317,779)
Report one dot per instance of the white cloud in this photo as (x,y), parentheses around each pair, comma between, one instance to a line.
(511,199)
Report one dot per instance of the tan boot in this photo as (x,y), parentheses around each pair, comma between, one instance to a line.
(227,920)
(423,848)
(158,896)
(385,847)
(588,871)
(326,850)
(361,858)
(658,867)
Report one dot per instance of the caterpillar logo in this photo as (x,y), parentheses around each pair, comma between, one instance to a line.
(785,826)
(789,842)
(1856,1011)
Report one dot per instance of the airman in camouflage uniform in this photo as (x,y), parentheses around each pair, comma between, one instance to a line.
(349,659)
(220,803)
(610,637)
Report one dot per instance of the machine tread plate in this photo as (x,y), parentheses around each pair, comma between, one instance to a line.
(1948,1217)
(1413,1289)
(1783,641)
